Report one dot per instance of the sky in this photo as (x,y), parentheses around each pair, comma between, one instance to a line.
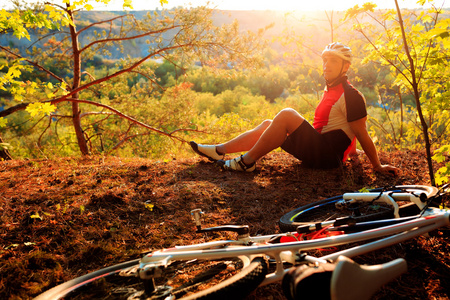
(298,5)
(281,4)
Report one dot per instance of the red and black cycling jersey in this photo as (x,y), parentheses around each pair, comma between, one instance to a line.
(340,104)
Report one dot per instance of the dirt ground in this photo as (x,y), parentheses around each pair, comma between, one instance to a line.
(63,218)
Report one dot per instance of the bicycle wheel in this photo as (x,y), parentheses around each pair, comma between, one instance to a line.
(325,210)
(196,279)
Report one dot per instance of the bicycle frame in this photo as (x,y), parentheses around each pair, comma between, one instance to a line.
(349,198)
(387,198)
(250,270)
(433,218)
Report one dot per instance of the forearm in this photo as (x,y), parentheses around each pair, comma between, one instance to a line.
(359,128)
(370,150)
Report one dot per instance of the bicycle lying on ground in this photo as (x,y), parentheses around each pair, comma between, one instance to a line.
(227,269)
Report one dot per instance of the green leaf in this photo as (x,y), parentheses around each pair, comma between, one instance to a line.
(33,109)
(427,19)
(11,246)
(38,108)
(127,4)
(439,154)
(36,216)
(149,206)
(5,146)
(443,35)
(3,122)
(364,190)
(417,28)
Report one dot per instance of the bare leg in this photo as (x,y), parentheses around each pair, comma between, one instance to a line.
(267,136)
(244,141)
(241,143)
(284,123)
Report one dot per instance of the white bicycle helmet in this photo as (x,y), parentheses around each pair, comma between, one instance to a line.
(340,50)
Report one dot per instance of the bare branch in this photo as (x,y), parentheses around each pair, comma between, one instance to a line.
(381,54)
(186,130)
(430,44)
(46,36)
(96,113)
(34,64)
(106,78)
(13,109)
(120,143)
(104,21)
(128,38)
(131,119)
(150,79)
(55,5)
(31,128)
(42,133)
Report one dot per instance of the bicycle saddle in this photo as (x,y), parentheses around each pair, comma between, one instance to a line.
(351,281)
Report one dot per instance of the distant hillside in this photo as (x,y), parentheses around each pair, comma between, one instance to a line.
(314,27)
(312,24)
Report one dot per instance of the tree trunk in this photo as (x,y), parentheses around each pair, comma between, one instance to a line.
(400,97)
(426,137)
(82,144)
(415,86)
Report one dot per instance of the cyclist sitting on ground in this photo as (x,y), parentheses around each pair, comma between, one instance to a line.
(340,119)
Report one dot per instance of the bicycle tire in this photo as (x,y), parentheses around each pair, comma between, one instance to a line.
(325,210)
(110,283)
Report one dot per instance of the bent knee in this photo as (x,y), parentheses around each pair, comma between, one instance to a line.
(289,118)
(266,123)
(289,111)
(289,114)
(263,126)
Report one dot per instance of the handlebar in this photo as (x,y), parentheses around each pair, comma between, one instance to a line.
(241,230)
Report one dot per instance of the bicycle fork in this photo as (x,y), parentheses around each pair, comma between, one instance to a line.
(148,271)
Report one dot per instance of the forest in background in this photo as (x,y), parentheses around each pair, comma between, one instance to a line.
(66,213)
(186,97)
(312,24)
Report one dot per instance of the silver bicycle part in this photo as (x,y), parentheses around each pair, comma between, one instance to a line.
(354,197)
(152,265)
(349,279)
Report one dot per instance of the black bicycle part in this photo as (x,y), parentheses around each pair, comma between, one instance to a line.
(325,210)
(358,227)
(239,229)
(229,278)
(308,282)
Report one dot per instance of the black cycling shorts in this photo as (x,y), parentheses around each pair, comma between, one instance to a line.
(316,150)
